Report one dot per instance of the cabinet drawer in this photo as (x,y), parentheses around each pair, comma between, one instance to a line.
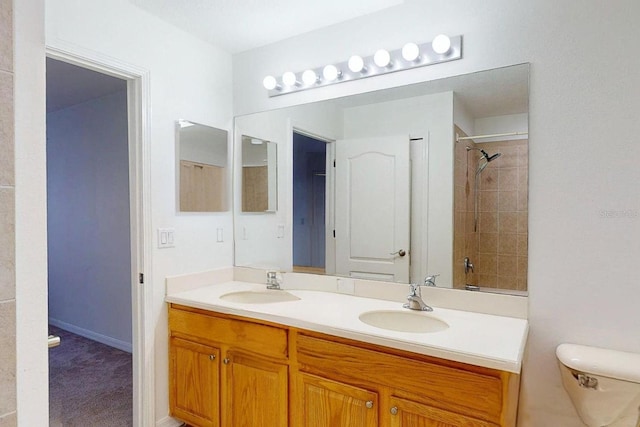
(266,340)
(446,387)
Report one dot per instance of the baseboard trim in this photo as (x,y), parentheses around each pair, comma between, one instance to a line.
(111,342)
(168,422)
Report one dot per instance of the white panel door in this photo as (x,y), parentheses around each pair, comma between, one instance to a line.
(372,208)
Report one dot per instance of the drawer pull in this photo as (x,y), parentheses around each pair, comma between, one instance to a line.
(212,357)
(226,361)
(369,404)
(394,410)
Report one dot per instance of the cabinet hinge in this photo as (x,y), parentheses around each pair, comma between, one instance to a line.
(334,234)
(141,278)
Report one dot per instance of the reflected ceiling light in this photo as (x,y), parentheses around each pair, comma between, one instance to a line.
(269,83)
(184,123)
(441,44)
(309,77)
(410,52)
(382,58)
(256,141)
(356,64)
(331,73)
(289,79)
(411,55)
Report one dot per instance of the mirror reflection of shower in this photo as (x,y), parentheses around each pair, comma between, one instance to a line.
(487,158)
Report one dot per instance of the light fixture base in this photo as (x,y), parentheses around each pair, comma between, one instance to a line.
(427,57)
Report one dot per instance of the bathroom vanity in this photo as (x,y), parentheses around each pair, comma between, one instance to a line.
(310,361)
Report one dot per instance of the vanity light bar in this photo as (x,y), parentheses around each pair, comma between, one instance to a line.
(441,49)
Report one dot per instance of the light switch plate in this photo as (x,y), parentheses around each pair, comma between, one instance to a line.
(166,238)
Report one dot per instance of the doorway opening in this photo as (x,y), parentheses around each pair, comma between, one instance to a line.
(312,190)
(92,251)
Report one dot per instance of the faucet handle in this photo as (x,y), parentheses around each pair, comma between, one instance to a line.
(430,280)
(414,289)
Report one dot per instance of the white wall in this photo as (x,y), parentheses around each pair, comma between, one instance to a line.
(31,207)
(189,79)
(88,219)
(501,124)
(203,144)
(584,150)
(429,117)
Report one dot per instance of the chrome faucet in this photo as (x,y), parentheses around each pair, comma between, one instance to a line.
(272,280)
(415,296)
(430,280)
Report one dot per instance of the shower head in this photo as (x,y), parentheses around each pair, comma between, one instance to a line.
(490,158)
(485,155)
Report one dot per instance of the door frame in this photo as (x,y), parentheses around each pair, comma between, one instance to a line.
(139,124)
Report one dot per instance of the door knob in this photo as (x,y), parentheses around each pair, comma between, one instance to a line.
(394,410)
(226,360)
(369,404)
(212,357)
(401,253)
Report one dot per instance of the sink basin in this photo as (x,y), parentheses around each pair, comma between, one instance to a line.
(403,321)
(259,297)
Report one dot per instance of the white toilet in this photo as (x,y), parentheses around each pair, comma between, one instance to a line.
(604,385)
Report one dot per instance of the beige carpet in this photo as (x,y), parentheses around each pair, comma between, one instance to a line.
(90,384)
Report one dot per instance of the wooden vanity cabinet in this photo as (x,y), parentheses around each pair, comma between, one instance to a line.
(406,413)
(230,371)
(326,403)
(255,392)
(194,382)
(227,372)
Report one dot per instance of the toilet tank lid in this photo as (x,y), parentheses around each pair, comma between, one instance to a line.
(616,364)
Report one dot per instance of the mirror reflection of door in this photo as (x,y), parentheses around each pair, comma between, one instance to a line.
(373,193)
(309,207)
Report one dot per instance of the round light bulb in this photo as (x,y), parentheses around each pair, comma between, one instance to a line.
(309,77)
(269,83)
(382,58)
(441,44)
(410,52)
(330,73)
(289,78)
(356,64)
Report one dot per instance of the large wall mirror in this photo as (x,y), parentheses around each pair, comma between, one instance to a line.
(397,184)
(202,167)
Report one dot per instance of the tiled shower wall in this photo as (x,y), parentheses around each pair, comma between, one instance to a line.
(502,226)
(465,240)
(7,223)
(498,247)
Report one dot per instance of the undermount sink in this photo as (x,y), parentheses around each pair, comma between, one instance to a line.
(403,321)
(259,297)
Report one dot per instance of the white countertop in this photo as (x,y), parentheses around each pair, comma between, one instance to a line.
(479,339)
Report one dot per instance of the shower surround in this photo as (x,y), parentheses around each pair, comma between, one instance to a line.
(498,248)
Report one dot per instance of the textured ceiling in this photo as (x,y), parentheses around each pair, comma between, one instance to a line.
(239,25)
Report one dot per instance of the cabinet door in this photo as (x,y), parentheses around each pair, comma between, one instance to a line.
(256,392)
(194,382)
(327,403)
(405,413)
